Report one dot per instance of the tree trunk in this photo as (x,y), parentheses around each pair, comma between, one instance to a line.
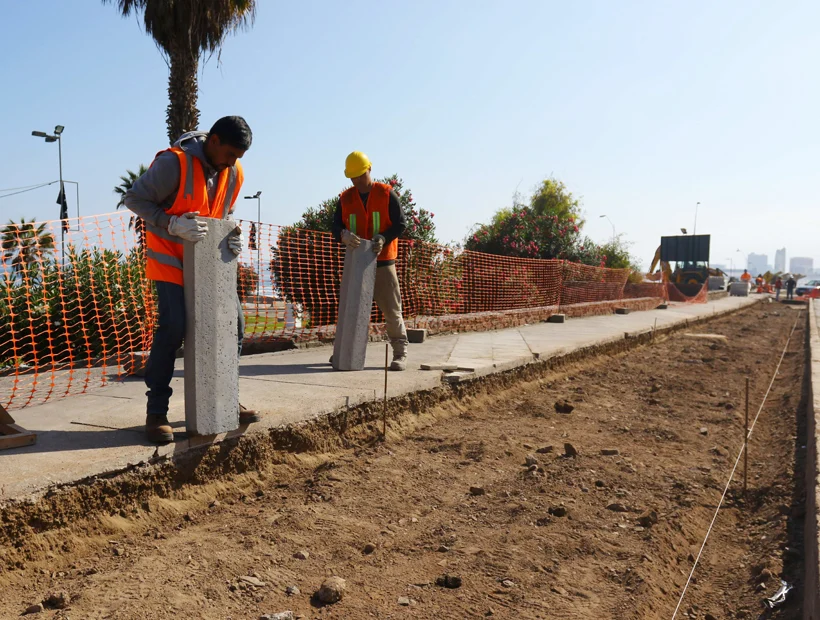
(182,114)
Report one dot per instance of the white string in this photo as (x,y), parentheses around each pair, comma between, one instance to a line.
(732,475)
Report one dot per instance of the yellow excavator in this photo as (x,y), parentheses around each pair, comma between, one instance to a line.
(687,254)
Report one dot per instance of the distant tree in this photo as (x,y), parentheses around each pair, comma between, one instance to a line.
(23,242)
(127,182)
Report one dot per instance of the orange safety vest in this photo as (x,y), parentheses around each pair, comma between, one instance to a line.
(163,251)
(746,277)
(377,202)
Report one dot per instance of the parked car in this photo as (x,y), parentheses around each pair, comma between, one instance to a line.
(806,287)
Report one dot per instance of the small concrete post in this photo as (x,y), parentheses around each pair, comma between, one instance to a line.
(211,361)
(355,303)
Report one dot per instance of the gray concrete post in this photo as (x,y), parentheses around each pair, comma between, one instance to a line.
(355,303)
(211,362)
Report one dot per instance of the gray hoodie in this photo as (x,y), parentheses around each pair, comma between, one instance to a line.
(155,191)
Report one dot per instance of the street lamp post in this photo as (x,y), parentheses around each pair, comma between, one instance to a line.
(58,138)
(258,198)
(611,224)
(695,229)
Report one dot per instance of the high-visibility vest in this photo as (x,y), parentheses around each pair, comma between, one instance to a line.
(378,201)
(163,251)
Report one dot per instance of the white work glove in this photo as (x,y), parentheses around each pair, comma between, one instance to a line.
(350,240)
(235,243)
(378,244)
(188,227)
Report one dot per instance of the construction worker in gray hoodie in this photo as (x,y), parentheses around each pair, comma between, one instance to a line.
(199,175)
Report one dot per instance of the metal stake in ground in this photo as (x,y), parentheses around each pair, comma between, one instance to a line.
(746,441)
(384,411)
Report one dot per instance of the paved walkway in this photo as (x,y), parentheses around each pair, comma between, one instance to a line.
(101,431)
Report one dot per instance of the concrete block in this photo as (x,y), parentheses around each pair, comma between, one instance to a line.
(557,318)
(622,310)
(416,336)
(739,289)
(211,362)
(355,304)
(717,283)
(662,307)
(444,367)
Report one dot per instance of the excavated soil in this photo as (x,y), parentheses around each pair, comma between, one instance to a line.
(481,489)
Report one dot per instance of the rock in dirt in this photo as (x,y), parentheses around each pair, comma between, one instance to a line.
(476,491)
(563,406)
(404,601)
(530,460)
(656,387)
(449,581)
(282,615)
(507,583)
(648,519)
(544,450)
(369,548)
(600,484)
(57,600)
(301,555)
(332,590)
(617,507)
(558,511)
(253,581)
(764,576)
(293,591)
(33,609)
(570,450)
(610,452)
(704,430)
(443,549)
(709,617)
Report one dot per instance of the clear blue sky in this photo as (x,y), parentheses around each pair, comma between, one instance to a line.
(641,108)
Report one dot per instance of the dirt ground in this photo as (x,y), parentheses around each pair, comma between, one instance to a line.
(450,493)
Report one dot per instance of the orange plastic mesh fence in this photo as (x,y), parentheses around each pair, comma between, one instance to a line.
(76,314)
(690,294)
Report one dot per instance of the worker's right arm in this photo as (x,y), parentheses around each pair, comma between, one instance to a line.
(155,191)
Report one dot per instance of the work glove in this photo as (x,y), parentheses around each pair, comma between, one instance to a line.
(235,242)
(377,244)
(188,227)
(350,240)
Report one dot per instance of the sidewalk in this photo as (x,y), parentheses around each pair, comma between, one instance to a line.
(101,431)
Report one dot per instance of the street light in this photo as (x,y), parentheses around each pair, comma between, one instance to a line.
(57,137)
(611,224)
(695,229)
(258,235)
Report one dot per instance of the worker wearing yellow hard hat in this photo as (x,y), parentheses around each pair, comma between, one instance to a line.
(353,219)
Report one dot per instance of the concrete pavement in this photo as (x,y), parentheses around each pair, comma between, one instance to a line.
(101,431)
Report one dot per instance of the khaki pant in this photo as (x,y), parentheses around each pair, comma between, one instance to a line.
(387,296)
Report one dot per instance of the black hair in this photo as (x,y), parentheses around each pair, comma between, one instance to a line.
(233,131)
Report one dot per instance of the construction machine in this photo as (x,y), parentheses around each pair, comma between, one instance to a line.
(683,261)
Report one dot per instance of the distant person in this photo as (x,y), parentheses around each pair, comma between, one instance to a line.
(778,284)
(745,276)
(199,174)
(790,284)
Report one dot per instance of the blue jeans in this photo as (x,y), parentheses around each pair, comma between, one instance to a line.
(168,338)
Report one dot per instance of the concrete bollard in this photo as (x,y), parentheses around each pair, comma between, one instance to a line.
(355,303)
(211,362)
(739,289)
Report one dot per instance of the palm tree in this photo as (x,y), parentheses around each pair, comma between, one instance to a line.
(184,31)
(23,242)
(127,182)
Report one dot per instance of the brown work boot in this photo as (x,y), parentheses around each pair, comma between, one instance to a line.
(248,416)
(158,430)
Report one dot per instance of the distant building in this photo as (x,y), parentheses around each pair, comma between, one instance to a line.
(780,260)
(801,264)
(758,263)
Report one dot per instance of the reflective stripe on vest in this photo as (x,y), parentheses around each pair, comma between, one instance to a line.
(165,259)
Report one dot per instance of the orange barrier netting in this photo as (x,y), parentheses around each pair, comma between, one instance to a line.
(76,314)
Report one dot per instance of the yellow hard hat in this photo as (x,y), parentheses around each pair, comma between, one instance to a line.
(356,164)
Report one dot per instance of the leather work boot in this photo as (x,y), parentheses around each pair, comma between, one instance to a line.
(158,430)
(248,416)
